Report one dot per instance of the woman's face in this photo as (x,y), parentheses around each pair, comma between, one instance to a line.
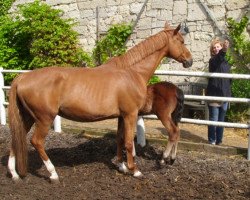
(216,48)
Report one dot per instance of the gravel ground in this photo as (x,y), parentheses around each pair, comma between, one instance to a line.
(86,172)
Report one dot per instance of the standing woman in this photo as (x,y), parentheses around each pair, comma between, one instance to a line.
(218,87)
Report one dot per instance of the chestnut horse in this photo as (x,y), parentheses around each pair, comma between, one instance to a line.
(117,88)
(166,101)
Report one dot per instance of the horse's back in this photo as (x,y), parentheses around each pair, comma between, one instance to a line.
(41,82)
(81,94)
(168,98)
(161,96)
(164,89)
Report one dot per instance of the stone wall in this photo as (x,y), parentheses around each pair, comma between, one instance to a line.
(201,26)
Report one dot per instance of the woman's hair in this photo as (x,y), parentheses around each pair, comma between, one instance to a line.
(213,42)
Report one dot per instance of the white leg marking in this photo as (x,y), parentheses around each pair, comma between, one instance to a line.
(174,150)
(133,152)
(168,149)
(12,168)
(166,152)
(137,174)
(122,167)
(50,167)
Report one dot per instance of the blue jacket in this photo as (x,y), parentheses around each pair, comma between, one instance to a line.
(219,86)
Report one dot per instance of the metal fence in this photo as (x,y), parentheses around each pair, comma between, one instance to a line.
(141,131)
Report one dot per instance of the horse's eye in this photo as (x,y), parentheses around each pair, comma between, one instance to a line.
(182,41)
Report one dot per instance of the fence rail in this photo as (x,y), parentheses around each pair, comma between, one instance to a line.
(203,74)
(141,135)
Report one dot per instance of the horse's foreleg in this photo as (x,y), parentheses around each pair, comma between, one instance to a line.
(129,128)
(120,144)
(38,140)
(12,166)
(50,167)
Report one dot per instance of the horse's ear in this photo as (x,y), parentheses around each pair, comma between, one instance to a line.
(167,26)
(177,29)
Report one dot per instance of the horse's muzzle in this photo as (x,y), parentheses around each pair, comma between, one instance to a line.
(187,63)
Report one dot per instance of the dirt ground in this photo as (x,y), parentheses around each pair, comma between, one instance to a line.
(86,171)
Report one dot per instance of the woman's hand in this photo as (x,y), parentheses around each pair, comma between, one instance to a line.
(225,45)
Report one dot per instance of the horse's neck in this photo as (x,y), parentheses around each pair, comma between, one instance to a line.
(144,58)
(146,67)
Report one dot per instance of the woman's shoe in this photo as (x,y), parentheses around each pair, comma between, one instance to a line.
(212,143)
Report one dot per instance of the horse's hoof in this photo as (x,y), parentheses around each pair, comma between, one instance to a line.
(54,180)
(162,161)
(122,168)
(167,161)
(115,161)
(171,162)
(138,174)
(17,180)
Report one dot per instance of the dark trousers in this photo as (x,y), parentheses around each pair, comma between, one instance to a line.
(215,133)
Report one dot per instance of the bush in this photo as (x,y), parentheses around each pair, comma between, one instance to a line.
(5,6)
(239,57)
(113,43)
(39,37)
(154,79)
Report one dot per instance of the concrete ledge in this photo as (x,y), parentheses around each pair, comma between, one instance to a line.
(183,145)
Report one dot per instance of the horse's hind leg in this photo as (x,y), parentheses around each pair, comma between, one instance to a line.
(27,124)
(38,140)
(173,141)
(12,166)
(174,134)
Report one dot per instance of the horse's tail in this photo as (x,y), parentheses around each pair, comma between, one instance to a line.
(177,114)
(18,130)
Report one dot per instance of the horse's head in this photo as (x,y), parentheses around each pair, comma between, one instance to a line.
(176,47)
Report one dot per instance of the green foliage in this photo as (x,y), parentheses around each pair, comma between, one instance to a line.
(240,51)
(154,79)
(5,6)
(39,37)
(241,88)
(112,44)
(239,56)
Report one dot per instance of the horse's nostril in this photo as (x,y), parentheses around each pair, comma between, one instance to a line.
(188,63)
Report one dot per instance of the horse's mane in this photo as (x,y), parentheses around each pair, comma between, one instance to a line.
(141,50)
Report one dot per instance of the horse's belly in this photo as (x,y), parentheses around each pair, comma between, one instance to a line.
(87,118)
(88,113)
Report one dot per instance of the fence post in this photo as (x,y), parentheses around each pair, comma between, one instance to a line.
(248,150)
(140,129)
(57,124)
(2,99)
